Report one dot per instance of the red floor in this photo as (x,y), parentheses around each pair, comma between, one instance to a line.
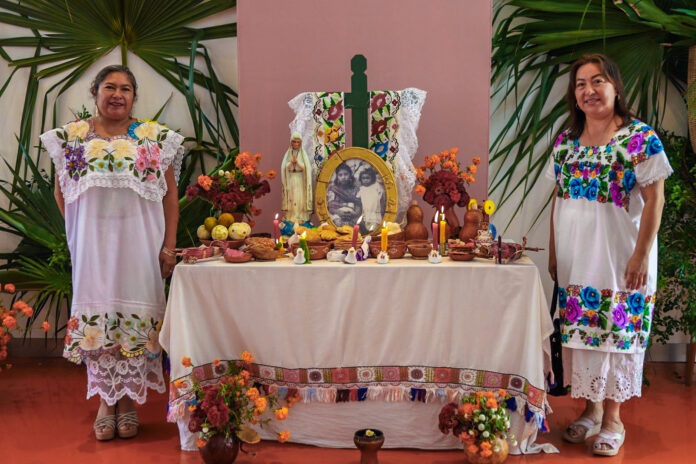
(45,419)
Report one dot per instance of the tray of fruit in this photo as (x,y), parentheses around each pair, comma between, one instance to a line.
(223,231)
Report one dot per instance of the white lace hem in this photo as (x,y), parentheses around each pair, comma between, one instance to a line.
(598,375)
(656,167)
(113,376)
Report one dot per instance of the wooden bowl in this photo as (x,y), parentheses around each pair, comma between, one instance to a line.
(224,243)
(263,254)
(316,250)
(395,249)
(419,249)
(237,257)
(457,255)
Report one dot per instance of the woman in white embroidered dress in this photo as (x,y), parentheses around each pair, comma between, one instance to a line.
(116,188)
(609,170)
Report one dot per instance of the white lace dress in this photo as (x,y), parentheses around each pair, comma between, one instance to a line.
(114,223)
(605,326)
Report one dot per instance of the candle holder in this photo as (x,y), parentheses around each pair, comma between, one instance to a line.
(368,441)
(434,257)
(383,257)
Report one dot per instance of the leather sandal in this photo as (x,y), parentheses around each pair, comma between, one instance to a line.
(591,428)
(105,428)
(612,439)
(127,419)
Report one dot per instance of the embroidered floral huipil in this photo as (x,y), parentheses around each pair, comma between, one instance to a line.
(596,221)
(114,222)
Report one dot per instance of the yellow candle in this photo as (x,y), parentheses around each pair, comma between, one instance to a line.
(385,232)
(443,225)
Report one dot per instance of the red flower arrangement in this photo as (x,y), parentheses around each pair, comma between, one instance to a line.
(8,321)
(446,184)
(233,191)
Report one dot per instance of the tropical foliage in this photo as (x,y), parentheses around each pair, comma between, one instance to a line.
(67,38)
(534,43)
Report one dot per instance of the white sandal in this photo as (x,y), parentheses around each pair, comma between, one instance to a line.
(130,420)
(591,428)
(612,439)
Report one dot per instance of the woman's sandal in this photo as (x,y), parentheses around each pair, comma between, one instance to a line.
(591,428)
(612,439)
(127,419)
(105,428)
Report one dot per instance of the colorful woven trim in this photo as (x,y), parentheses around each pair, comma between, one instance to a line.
(385,383)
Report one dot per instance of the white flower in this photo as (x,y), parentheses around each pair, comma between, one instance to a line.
(507,424)
(481,427)
(514,442)
(471,431)
(494,409)
(482,418)
(221,173)
(205,429)
(147,130)
(95,148)
(485,434)
(77,129)
(496,449)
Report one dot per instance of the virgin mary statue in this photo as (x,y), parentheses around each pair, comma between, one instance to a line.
(296,175)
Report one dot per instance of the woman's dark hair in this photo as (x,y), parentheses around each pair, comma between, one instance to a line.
(371,173)
(609,70)
(101,75)
(345,167)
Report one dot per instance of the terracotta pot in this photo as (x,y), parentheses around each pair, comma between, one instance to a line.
(472,224)
(368,446)
(317,250)
(419,249)
(415,230)
(495,458)
(216,451)
(395,249)
(453,227)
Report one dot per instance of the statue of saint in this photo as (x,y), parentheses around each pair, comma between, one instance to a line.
(296,175)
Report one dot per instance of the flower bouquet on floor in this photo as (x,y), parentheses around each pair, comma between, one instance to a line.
(482,424)
(235,190)
(8,321)
(221,409)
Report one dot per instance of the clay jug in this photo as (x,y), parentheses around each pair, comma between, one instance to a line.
(415,230)
(472,223)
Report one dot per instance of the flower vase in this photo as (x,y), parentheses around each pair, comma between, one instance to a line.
(497,457)
(368,445)
(452,228)
(217,451)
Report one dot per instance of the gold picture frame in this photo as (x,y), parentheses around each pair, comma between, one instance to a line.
(354,157)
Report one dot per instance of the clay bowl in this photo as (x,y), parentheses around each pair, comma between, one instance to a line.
(395,249)
(317,250)
(264,242)
(419,249)
(224,243)
(397,237)
(346,244)
(263,254)
(459,255)
(235,256)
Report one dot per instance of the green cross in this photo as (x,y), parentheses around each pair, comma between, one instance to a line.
(358,100)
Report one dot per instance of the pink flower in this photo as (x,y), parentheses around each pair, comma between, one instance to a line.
(141,164)
(73,323)
(151,177)
(154,162)
(155,150)
(142,151)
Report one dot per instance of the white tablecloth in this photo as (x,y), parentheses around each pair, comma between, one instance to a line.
(366,345)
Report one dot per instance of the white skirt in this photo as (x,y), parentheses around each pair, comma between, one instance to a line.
(598,375)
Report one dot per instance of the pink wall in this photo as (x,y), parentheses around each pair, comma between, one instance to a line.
(441,46)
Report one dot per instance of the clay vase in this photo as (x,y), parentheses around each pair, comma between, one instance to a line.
(452,228)
(498,457)
(472,224)
(368,446)
(415,230)
(216,450)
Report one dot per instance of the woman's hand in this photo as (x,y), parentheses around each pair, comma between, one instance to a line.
(636,275)
(167,263)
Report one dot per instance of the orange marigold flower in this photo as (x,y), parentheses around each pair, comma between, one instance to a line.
(245,374)
(45,326)
(473,169)
(429,162)
(466,409)
(201,443)
(486,453)
(420,174)
(281,414)
(472,179)
(473,449)
(502,393)
(476,161)
(205,182)
(436,159)
(9,288)
(178,383)
(252,394)
(479,394)
(257,157)
(447,165)
(9,322)
(260,403)
(454,150)
(489,394)
(216,362)
(242,159)
(420,190)
(271,174)
(422,167)
(485,445)
(284,436)
(186,361)
(491,403)
(247,357)
(192,407)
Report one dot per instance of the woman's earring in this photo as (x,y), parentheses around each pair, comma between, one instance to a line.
(96,110)
(576,105)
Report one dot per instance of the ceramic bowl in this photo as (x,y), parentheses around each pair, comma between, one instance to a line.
(419,249)
(457,255)
(345,244)
(395,249)
(236,256)
(263,254)
(317,250)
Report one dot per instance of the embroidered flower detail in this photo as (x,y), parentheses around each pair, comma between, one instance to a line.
(635,303)
(147,130)
(122,148)
(576,190)
(77,130)
(572,311)
(619,316)
(590,296)
(91,339)
(562,297)
(629,181)
(591,190)
(635,144)
(141,164)
(654,145)
(96,148)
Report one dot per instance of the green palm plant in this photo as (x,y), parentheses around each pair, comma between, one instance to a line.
(67,38)
(534,43)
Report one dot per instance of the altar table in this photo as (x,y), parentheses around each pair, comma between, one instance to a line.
(365,345)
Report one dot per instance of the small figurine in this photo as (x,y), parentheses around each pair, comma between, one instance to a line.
(299,256)
(351,257)
(434,257)
(364,249)
(383,257)
(296,176)
(337,256)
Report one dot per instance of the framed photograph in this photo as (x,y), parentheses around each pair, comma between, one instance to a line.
(356,182)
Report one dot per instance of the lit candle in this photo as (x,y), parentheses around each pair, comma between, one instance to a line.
(276,229)
(385,232)
(435,228)
(356,228)
(303,245)
(443,226)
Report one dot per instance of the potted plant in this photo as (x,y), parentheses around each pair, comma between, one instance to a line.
(482,423)
(221,410)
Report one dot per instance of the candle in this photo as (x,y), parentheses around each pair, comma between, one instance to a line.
(276,229)
(435,228)
(303,245)
(385,233)
(443,226)
(356,228)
